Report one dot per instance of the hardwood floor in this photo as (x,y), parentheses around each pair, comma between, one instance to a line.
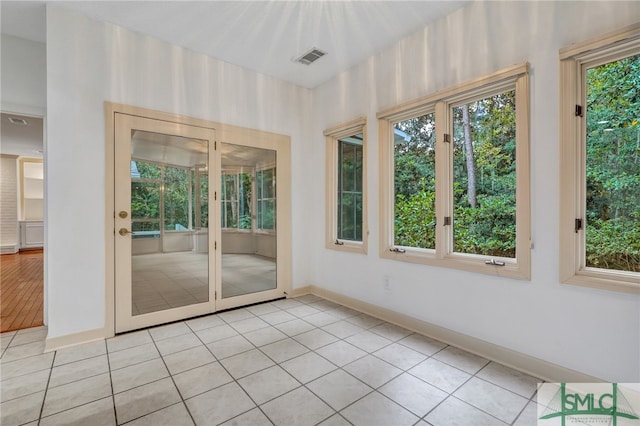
(21,290)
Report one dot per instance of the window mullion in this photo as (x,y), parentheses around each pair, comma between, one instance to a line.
(444,181)
(581,156)
(523,186)
(386,183)
(569,173)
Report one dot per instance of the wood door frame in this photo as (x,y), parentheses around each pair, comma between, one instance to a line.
(224,133)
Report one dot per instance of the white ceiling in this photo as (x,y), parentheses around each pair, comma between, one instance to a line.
(23,140)
(263,36)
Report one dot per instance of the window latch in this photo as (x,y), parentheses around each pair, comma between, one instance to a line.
(338,242)
(494,262)
(397,250)
(577,225)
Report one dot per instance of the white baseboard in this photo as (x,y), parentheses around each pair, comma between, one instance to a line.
(9,249)
(300,291)
(536,367)
(69,340)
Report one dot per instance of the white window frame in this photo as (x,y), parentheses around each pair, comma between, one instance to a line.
(513,78)
(262,169)
(332,138)
(573,61)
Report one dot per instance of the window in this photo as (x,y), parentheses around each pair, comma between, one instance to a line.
(600,162)
(200,196)
(484,176)
(146,183)
(176,198)
(345,193)
(266,199)
(414,182)
(167,198)
(236,200)
(455,177)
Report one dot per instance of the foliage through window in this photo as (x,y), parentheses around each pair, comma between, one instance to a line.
(176,198)
(236,200)
(613,165)
(266,198)
(484,176)
(600,162)
(200,197)
(145,198)
(349,195)
(345,187)
(414,157)
(459,195)
(164,196)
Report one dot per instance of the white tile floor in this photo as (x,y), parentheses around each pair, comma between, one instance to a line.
(303,361)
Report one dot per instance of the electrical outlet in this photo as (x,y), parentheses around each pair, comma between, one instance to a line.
(386,283)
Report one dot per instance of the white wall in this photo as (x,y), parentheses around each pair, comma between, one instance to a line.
(594,332)
(238,242)
(90,62)
(23,75)
(266,244)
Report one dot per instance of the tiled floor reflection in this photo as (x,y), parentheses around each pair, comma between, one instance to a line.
(169,280)
(304,361)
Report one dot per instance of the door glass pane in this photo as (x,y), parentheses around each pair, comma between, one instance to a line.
(484,176)
(169,219)
(248,211)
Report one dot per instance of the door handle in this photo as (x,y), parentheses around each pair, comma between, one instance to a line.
(124,232)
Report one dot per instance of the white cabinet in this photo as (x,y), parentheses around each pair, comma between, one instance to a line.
(32,190)
(31,234)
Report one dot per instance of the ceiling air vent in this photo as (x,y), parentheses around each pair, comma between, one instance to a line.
(311,56)
(18,121)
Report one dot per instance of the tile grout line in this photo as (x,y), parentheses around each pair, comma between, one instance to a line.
(317,327)
(113,395)
(46,389)
(407,370)
(80,405)
(449,394)
(303,385)
(8,344)
(172,380)
(219,361)
(368,353)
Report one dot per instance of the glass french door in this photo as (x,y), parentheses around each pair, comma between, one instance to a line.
(248,225)
(165,266)
(200,225)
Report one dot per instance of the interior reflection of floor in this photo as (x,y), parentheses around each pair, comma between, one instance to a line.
(245,273)
(170,280)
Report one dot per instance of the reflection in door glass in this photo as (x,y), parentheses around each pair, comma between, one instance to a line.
(248,220)
(169,215)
